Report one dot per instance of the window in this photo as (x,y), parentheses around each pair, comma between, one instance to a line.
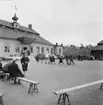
(42,49)
(51,50)
(38,49)
(31,49)
(17,48)
(60,50)
(47,49)
(16,25)
(7,48)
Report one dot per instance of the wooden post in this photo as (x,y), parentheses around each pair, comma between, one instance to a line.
(1,99)
(101,87)
(35,88)
(63,97)
(59,98)
(31,85)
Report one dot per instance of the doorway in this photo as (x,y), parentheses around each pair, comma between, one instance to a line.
(24,48)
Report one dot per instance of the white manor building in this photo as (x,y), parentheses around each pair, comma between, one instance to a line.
(14,38)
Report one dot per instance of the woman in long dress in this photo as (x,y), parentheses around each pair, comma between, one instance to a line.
(47,57)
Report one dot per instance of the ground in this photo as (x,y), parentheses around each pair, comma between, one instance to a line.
(56,77)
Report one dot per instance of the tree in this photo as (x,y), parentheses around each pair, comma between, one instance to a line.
(81,46)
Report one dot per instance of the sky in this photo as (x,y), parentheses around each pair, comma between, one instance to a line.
(59,21)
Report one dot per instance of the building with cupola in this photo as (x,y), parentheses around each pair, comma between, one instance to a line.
(14,38)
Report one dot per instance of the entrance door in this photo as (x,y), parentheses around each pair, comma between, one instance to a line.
(24,48)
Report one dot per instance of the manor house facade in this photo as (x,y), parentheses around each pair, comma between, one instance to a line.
(14,38)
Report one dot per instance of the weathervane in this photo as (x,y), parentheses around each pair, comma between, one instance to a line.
(15,9)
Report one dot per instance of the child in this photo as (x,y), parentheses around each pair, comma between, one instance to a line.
(24,62)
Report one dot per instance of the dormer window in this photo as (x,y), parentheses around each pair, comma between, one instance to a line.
(16,25)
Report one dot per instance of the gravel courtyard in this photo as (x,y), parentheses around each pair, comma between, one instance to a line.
(56,77)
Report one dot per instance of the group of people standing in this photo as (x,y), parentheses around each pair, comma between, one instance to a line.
(69,59)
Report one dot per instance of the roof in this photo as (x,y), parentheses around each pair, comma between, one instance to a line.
(22,28)
(41,40)
(32,33)
(100,47)
(101,42)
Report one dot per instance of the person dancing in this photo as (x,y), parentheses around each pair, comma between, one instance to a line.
(71,60)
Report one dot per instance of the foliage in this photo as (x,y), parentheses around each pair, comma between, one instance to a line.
(78,50)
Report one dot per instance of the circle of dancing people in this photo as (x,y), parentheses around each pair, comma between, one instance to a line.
(68,58)
(51,58)
(46,58)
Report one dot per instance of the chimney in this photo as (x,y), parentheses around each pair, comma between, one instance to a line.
(62,45)
(56,44)
(30,26)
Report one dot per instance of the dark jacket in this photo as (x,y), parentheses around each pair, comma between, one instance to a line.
(13,70)
(5,67)
(24,60)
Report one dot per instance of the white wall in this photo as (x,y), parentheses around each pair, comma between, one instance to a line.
(13,44)
(57,50)
(35,45)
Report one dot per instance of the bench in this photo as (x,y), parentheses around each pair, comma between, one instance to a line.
(33,84)
(5,75)
(1,99)
(64,92)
